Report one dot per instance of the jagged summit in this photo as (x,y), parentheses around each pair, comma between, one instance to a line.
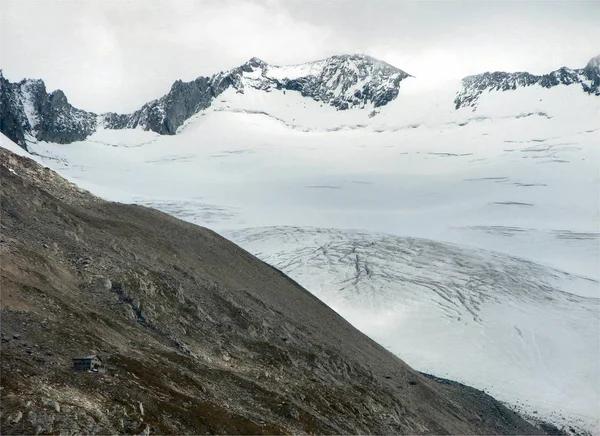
(255,62)
(28,110)
(343,81)
(473,86)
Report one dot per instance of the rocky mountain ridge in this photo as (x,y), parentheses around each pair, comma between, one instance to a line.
(345,82)
(473,86)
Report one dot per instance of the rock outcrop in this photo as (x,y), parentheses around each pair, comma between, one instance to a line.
(27,110)
(344,82)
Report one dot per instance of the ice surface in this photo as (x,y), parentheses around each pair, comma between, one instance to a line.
(496,322)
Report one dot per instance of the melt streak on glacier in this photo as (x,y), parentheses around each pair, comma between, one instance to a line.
(497,322)
(514,177)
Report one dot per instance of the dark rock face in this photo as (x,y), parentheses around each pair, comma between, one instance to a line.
(60,122)
(112,120)
(199,336)
(473,86)
(169,112)
(28,110)
(13,122)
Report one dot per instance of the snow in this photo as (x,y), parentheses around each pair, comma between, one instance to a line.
(287,107)
(28,106)
(295,71)
(123,138)
(516,183)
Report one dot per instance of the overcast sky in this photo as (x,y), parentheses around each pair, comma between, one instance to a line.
(114,55)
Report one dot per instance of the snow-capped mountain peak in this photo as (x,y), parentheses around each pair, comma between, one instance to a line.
(255,63)
(342,81)
(473,86)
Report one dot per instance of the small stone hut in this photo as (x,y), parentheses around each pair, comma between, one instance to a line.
(88,363)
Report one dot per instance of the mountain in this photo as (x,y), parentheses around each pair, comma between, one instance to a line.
(199,335)
(348,81)
(342,82)
(473,86)
(28,110)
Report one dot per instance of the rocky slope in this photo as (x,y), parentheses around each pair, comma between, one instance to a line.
(473,86)
(199,335)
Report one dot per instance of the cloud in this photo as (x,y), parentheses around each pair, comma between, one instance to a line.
(118,55)
(109,55)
